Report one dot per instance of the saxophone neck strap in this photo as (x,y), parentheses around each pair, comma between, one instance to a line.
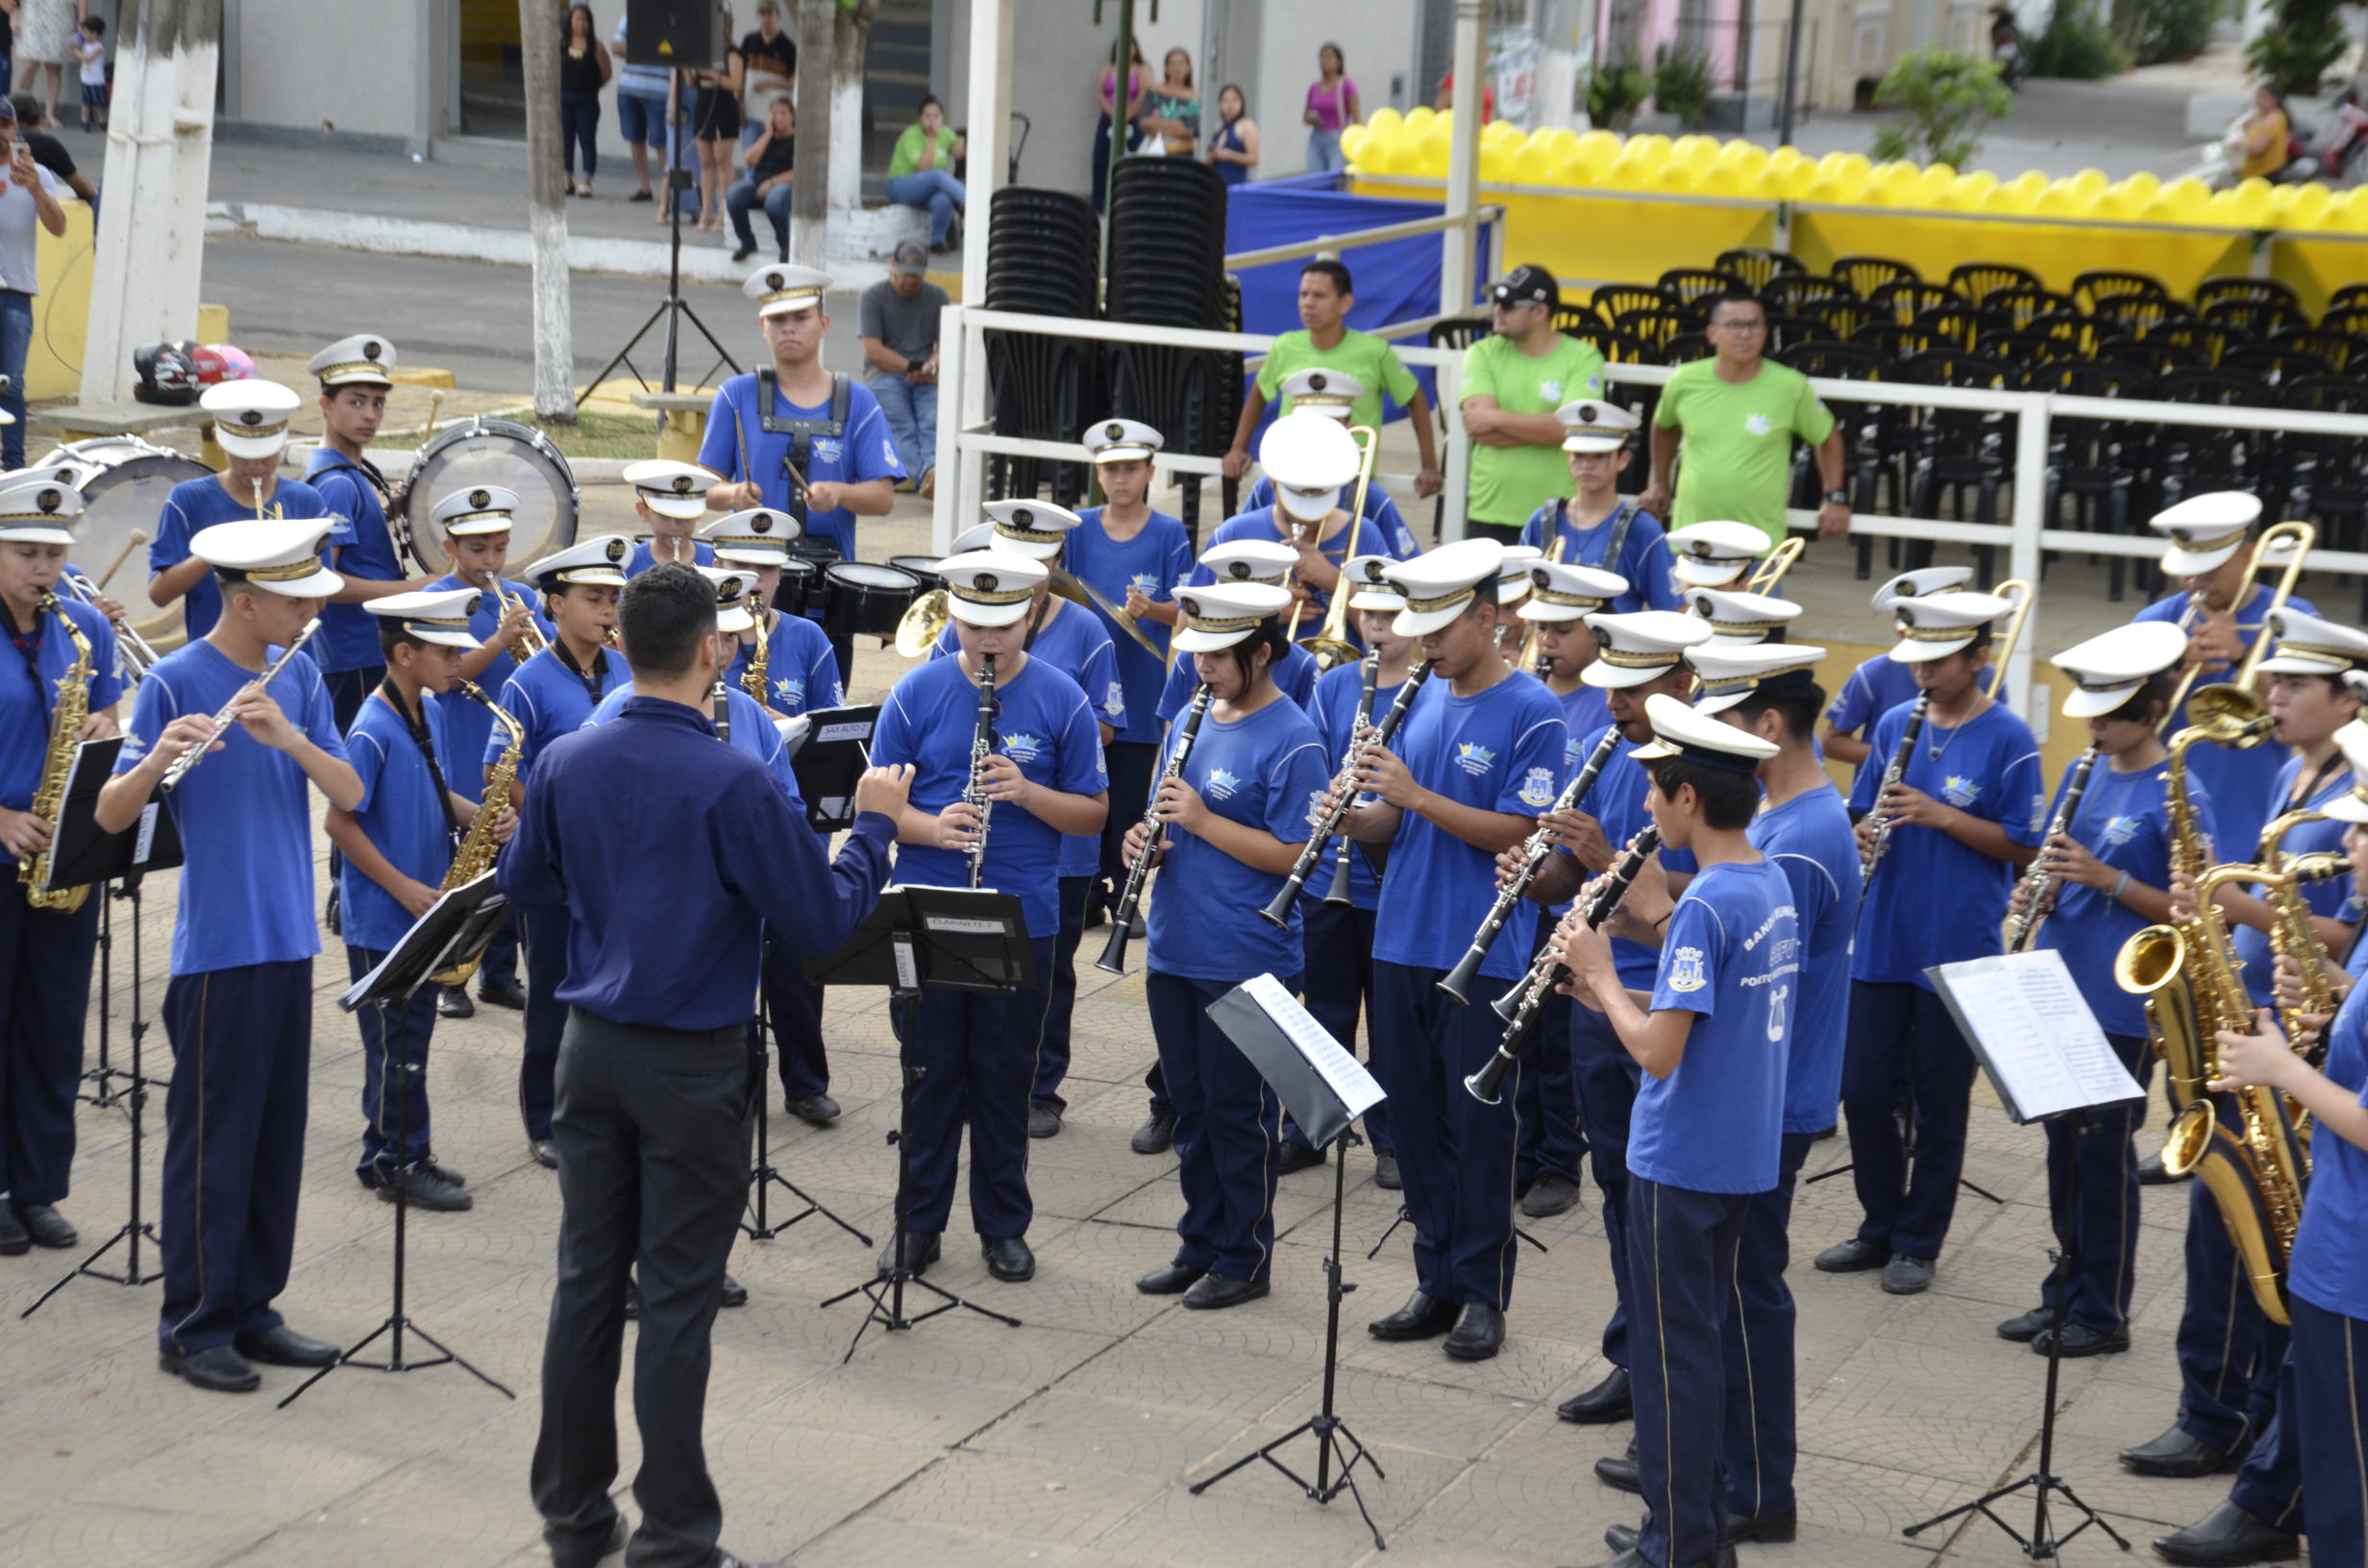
(425,739)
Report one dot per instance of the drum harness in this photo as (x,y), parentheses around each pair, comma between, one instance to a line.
(802,434)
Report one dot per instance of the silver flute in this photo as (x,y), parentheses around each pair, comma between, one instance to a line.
(223,722)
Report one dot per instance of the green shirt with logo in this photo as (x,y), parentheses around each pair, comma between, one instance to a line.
(1735,462)
(1371,361)
(1510,483)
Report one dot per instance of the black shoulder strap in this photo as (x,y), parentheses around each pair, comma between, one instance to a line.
(1622,515)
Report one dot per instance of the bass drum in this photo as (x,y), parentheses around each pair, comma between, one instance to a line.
(124,481)
(484,451)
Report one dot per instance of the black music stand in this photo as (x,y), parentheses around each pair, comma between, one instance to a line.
(829,750)
(1304,1066)
(764,1175)
(919,939)
(84,853)
(461,921)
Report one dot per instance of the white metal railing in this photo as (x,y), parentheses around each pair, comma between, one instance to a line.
(964,443)
(1411,229)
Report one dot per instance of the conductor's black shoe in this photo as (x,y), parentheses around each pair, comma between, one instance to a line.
(15,1239)
(1008,1257)
(1169,1280)
(815,1109)
(920,1250)
(1550,1194)
(453,1002)
(217,1370)
(567,1556)
(1213,1291)
(425,1187)
(284,1346)
(2029,1326)
(1420,1319)
(1773,1527)
(1605,1403)
(2078,1339)
(47,1227)
(1384,1172)
(1620,1472)
(546,1152)
(2177,1457)
(735,1295)
(2228,1537)
(1906,1276)
(1298,1157)
(508,993)
(1852,1257)
(1479,1335)
(1043,1121)
(1156,1136)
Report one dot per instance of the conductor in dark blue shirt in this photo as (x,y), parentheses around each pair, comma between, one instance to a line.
(656,1078)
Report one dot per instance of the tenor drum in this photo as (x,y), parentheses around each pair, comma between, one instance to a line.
(797,592)
(922,567)
(124,481)
(497,451)
(862,598)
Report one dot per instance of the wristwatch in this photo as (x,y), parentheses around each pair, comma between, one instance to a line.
(1837,498)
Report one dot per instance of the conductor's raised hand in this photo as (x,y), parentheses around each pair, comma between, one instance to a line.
(884,790)
(1179,805)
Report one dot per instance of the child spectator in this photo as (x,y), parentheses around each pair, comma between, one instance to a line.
(90,48)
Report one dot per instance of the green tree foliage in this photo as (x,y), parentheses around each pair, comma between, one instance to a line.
(1945,98)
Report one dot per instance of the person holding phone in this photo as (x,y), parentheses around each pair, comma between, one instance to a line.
(28,197)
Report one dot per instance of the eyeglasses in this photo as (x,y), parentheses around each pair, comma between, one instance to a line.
(1758,324)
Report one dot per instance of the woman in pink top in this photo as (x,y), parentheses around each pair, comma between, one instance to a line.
(1331,109)
(1104,88)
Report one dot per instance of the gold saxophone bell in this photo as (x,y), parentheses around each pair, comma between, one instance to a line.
(923,623)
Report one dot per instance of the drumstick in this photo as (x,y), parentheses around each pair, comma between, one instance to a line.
(436,401)
(740,433)
(140,537)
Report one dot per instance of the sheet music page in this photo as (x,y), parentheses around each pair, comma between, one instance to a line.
(1343,1074)
(2037,1034)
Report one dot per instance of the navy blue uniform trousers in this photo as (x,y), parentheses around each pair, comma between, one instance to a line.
(1337,984)
(2229,1350)
(1902,1038)
(45,957)
(2101,1234)
(1454,1153)
(1131,765)
(2331,1407)
(1551,1142)
(2269,1486)
(546,944)
(1606,1077)
(394,1105)
(977,1054)
(1681,1247)
(1762,1435)
(796,1004)
(1228,1130)
(500,965)
(1057,1003)
(233,1148)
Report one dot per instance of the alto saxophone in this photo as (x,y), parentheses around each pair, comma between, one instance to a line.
(478,847)
(2291,934)
(64,734)
(754,679)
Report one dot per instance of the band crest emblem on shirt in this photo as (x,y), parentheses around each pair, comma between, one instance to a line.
(1686,970)
(1537,788)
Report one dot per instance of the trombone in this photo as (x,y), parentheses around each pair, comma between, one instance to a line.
(2023,603)
(2299,538)
(1771,571)
(1330,645)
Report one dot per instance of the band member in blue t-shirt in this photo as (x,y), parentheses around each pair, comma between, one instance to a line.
(1882,683)
(1966,816)
(551,695)
(238,1010)
(1332,393)
(671,498)
(1041,777)
(1235,818)
(1710,1039)
(398,845)
(249,420)
(1474,762)
(355,375)
(45,949)
(1598,527)
(1245,560)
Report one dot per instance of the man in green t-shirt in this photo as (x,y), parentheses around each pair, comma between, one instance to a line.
(1326,341)
(1512,383)
(1737,414)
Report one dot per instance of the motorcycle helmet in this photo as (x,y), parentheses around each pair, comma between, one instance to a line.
(167,374)
(219,362)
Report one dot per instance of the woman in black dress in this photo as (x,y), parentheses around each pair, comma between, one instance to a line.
(715,125)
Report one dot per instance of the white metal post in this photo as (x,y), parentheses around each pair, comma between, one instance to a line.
(2031,437)
(992,23)
(1458,465)
(1456,263)
(953,366)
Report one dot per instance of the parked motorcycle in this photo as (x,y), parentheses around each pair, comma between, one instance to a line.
(2007,46)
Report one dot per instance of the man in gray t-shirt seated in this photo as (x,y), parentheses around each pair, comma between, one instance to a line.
(899,328)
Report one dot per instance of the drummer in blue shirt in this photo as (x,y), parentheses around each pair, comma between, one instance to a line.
(1334,394)
(398,846)
(798,437)
(671,498)
(238,1010)
(1966,818)
(1880,683)
(551,695)
(1235,818)
(355,375)
(249,420)
(800,673)
(1239,561)
(476,527)
(1599,527)
(1043,779)
(1710,1039)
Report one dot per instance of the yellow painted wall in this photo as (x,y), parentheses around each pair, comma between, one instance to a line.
(62,311)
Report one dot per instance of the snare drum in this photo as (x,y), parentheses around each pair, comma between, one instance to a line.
(795,595)
(862,598)
(124,481)
(489,452)
(923,567)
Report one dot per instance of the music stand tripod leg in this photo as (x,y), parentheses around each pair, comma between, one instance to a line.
(764,1173)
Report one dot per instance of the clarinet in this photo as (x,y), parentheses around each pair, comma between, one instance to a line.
(1155,834)
(223,722)
(1518,1007)
(1344,796)
(1892,775)
(1533,852)
(2038,884)
(1371,676)
(722,711)
(982,747)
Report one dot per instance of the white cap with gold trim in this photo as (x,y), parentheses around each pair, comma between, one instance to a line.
(1928,579)
(1739,620)
(439,615)
(1368,583)
(250,417)
(1034,528)
(759,536)
(1438,586)
(783,289)
(671,489)
(1939,624)
(1682,731)
(990,587)
(732,606)
(1729,675)
(280,555)
(2110,669)
(364,360)
(1641,646)
(2205,530)
(1714,555)
(1592,425)
(597,562)
(38,507)
(481,509)
(1330,393)
(1221,614)
(1123,440)
(1251,560)
(2304,644)
(1309,458)
(1559,592)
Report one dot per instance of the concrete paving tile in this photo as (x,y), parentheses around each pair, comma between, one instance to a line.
(879,1542)
(239,1477)
(1261,1519)
(372,1545)
(782,1481)
(1025,1498)
(125,1530)
(1102,1432)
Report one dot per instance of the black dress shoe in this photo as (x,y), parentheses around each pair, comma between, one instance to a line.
(1852,1257)
(1550,1194)
(2080,1340)
(1420,1319)
(735,1295)
(814,1109)
(47,1227)
(1605,1403)
(284,1346)
(1906,1276)
(431,1162)
(217,1370)
(920,1250)
(2177,1457)
(15,1239)
(1043,1121)
(546,1152)
(1298,1157)
(2029,1326)
(1779,1527)
(1172,1280)
(1156,1134)
(2228,1537)
(1620,1472)
(425,1188)
(743,253)
(508,993)
(1384,1172)
(453,1002)
(1479,1334)
(1213,1291)
(568,1557)
(1008,1257)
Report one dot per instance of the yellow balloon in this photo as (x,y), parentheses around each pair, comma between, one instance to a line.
(1895,186)
(2060,199)
(1721,179)
(2114,205)
(1936,179)
(1499,131)
(1769,184)
(1495,163)
(1784,158)
(1383,122)
(1573,170)
(1420,118)
(2007,199)
(1830,163)
(2030,183)
(1629,170)
(2142,186)
(1855,166)
(1533,163)
(1655,147)
(1749,161)
(1402,155)
(1674,177)
(2091,184)
(2251,207)
(1600,144)
(1353,139)
(1433,148)
(1972,187)
(1829,189)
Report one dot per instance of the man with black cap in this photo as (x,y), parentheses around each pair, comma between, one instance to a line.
(1512,383)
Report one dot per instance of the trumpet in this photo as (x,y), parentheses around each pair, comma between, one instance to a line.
(2037,882)
(530,640)
(223,722)
(1533,852)
(1344,796)
(2299,537)
(1155,835)
(982,747)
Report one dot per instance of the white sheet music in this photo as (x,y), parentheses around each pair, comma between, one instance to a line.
(1343,1074)
(2037,1036)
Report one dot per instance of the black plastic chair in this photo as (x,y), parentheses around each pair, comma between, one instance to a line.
(2204,339)
(1970,327)
(2023,305)
(2275,363)
(1613,300)
(2349,295)
(1684,348)
(2030,348)
(1452,332)
(1958,450)
(2325,476)
(1653,325)
(2078,331)
(2254,290)
(2190,459)
(1906,299)
(2156,356)
(1864,273)
(1900,342)
(1797,291)
(1695,286)
(2096,463)
(1842,316)
(1784,331)
(1756,267)
(2091,289)
(2351,320)
(2338,349)
(1578,318)
(1977,280)
(2256,318)
(1870,442)
(2135,315)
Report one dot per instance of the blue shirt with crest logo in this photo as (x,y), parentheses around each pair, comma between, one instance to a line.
(865,452)
(1155,560)
(2331,898)
(1874,689)
(1617,803)
(1645,557)
(467,724)
(549,700)
(359,545)
(29,676)
(1337,692)
(399,814)
(801,672)
(1374,538)
(1809,839)
(1294,678)
(195,505)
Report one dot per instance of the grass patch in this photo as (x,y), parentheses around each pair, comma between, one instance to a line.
(600,435)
